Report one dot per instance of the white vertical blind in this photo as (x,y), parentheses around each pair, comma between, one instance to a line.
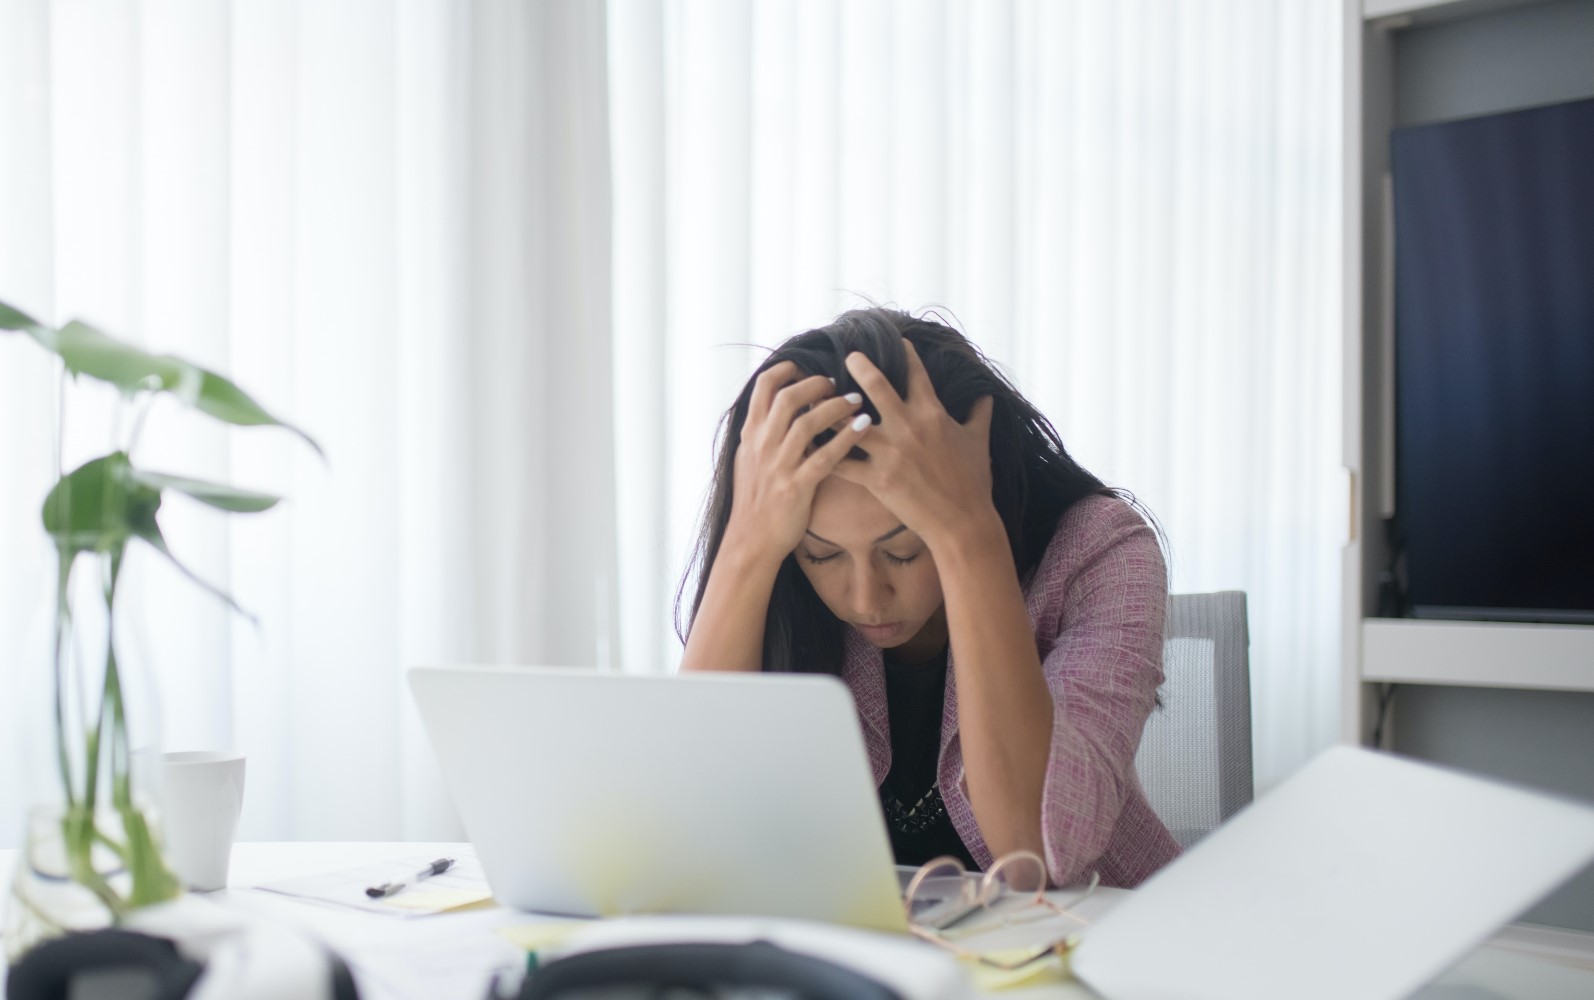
(388,222)
(505,261)
(1132,205)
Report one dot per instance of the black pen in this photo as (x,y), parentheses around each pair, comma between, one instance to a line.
(437,867)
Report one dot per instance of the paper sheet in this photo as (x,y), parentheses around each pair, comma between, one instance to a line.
(1047,971)
(452,956)
(462,885)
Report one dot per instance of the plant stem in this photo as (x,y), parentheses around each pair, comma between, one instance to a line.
(91,765)
(77,829)
(118,849)
(121,797)
(152,880)
(65,559)
(62,617)
(111,692)
(142,408)
(121,784)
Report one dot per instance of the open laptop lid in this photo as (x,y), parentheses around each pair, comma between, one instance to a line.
(601,794)
(1364,875)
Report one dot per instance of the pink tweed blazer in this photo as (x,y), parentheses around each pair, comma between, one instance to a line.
(1096,603)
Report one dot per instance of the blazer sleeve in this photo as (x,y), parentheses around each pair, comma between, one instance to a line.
(1103,670)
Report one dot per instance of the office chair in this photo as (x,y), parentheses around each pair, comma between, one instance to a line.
(1194,760)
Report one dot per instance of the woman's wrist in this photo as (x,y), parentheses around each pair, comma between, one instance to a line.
(728,628)
(967,537)
(748,549)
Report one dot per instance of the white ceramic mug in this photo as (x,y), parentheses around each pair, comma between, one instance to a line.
(203,794)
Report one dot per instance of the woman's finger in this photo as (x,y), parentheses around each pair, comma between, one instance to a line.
(822,415)
(979,419)
(858,473)
(825,459)
(766,385)
(791,400)
(879,389)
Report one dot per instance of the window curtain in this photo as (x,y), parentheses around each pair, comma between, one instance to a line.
(390,223)
(508,262)
(1133,205)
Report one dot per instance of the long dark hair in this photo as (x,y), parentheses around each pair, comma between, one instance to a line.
(1034,481)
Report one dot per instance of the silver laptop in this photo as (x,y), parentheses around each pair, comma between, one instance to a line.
(600,794)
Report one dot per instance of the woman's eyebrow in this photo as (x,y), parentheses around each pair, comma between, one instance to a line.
(899,529)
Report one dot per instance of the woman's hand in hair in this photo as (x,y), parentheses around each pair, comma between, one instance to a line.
(776,470)
(926,468)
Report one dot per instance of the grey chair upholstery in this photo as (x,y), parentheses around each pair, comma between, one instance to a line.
(1194,760)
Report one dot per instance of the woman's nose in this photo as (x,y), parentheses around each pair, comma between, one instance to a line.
(871,594)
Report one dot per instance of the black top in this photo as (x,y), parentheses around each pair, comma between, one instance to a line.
(915,815)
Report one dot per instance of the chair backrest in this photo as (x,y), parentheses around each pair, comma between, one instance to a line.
(1194,760)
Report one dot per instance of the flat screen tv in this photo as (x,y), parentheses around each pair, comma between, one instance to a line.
(1494,364)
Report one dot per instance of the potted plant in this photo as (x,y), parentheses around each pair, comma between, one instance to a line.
(95,854)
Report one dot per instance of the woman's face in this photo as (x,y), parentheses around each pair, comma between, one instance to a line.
(872,572)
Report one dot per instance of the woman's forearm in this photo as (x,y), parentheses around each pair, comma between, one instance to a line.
(728,631)
(1005,711)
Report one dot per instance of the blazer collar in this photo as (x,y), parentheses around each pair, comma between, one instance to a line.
(863,671)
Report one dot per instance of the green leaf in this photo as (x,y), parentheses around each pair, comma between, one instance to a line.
(225,401)
(150,532)
(153,882)
(90,351)
(103,503)
(12,318)
(94,507)
(217,495)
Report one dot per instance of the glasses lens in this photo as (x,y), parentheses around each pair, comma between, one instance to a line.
(943,893)
(1013,883)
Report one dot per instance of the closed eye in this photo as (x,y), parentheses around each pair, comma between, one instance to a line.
(900,560)
(816,560)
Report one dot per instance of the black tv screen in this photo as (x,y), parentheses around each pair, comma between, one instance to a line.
(1494,364)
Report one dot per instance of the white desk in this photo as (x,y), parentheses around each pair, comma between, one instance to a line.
(424,953)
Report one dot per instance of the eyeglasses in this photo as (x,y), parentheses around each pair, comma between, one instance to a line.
(942,894)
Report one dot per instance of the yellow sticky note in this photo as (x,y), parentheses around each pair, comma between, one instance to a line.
(541,937)
(1046,972)
(437,900)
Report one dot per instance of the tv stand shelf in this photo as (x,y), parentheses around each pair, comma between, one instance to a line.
(1412,62)
(1478,654)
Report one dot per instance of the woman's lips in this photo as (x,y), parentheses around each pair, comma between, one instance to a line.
(880,633)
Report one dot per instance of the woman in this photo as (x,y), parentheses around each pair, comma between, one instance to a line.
(888,508)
